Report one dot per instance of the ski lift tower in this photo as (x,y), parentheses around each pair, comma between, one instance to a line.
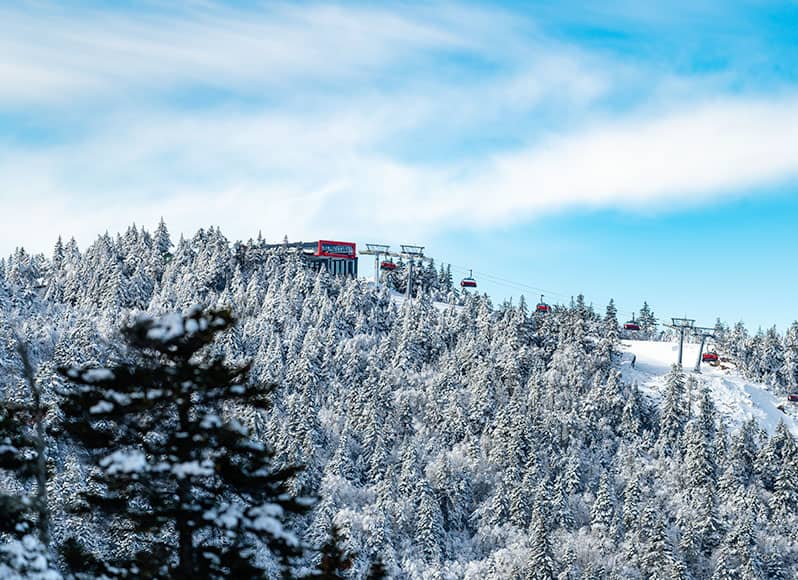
(377,250)
(681,324)
(412,253)
(705,333)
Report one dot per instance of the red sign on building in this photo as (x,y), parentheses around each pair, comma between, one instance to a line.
(336,249)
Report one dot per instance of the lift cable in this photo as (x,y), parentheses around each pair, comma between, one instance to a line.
(522,286)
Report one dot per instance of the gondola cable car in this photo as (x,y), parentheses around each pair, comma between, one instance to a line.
(542,306)
(388,265)
(709,357)
(468,281)
(631,324)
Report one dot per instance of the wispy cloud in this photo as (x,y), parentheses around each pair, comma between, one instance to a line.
(346,120)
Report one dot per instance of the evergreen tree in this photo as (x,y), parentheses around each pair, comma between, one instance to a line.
(540,565)
(601,515)
(377,570)
(23,554)
(169,459)
(647,320)
(429,527)
(674,410)
(335,561)
(25,518)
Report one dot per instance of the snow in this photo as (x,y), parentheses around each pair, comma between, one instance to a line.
(193,468)
(124,462)
(25,558)
(101,407)
(737,399)
(167,327)
(96,375)
(211,421)
(262,518)
(399,299)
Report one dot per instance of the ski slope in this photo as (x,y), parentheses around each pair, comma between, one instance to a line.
(736,398)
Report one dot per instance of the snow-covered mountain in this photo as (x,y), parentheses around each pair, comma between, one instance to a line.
(737,399)
(454,439)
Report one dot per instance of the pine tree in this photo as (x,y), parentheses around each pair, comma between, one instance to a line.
(335,560)
(25,519)
(601,515)
(377,570)
(23,554)
(170,460)
(647,320)
(540,565)
(429,526)
(674,410)
(789,369)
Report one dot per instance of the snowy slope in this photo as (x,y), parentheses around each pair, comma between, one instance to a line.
(736,398)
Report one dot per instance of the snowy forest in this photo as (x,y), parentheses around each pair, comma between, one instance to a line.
(364,435)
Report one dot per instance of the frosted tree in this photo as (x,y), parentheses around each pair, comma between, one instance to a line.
(674,410)
(602,512)
(647,320)
(540,565)
(169,457)
(24,524)
(739,557)
(334,561)
(429,526)
(789,368)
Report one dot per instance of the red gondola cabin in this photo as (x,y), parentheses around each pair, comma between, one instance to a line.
(388,265)
(709,357)
(792,397)
(468,281)
(542,306)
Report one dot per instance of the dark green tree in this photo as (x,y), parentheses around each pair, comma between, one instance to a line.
(335,560)
(24,511)
(171,458)
(377,570)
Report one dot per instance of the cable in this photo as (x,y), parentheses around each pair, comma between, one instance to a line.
(520,285)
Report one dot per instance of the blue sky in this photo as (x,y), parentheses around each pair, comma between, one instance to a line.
(633,150)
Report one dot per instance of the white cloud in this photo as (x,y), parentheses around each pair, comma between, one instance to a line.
(50,55)
(341,144)
(690,154)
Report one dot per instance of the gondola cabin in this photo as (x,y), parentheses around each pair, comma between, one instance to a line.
(468,281)
(631,324)
(388,266)
(709,357)
(542,306)
(792,397)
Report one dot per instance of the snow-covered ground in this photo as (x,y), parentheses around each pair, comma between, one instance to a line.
(399,299)
(736,398)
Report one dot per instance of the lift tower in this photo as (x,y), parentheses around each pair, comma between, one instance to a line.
(413,253)
(681,324)
(705,333)
(377,250)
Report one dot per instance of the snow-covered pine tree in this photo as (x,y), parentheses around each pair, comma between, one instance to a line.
(540,565)
(673,415)
(171,460)
(22,552)
(647,321)
(335,561)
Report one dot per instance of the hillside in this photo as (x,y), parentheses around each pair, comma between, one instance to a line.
(448,440)
(737,399)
